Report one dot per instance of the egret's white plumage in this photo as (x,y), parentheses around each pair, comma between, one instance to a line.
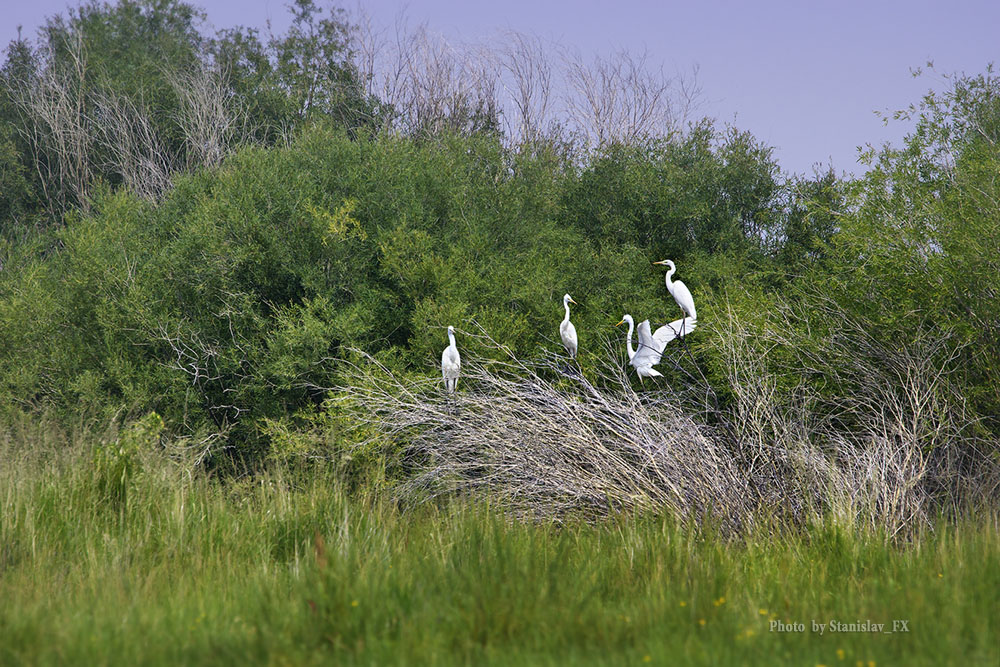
(567,331)
(680,292)
(675,329)
(648,354)
(451,362)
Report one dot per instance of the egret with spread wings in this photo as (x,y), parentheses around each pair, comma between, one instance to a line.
(649,352)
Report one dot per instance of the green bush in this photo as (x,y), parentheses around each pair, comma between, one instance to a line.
(117,463)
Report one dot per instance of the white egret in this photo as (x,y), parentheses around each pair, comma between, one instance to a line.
(451,362)
(567,331)
(647,355)
(680,292)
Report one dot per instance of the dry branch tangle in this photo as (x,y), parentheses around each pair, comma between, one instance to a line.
(544,440)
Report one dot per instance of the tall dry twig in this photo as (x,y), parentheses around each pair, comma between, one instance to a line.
(208,118)
(527,78)
(58,132)
(621,98)
(129,137)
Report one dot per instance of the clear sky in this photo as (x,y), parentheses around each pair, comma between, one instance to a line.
(805,77)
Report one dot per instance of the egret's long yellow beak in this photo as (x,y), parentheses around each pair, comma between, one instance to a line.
(620,323)
(662,261)
(572,301)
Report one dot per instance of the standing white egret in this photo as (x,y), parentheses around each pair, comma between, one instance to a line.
(647,355)
(567,331)
(451,363)
(680,292)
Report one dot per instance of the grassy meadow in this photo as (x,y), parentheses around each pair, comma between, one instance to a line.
(289,568)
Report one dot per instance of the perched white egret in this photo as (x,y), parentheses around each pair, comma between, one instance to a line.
(647,355)
(451,362)
(567,331)
(680,292)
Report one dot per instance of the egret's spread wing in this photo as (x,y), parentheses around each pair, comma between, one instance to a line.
(675,329)
(666,333)
(649,352)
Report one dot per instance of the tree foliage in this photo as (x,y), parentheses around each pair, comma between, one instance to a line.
(237,214)
(917,251)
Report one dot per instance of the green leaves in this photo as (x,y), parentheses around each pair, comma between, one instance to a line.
(116,463)
(228,304)
(231,301)
(707,191)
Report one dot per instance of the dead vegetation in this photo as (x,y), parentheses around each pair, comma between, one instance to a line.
(545,439)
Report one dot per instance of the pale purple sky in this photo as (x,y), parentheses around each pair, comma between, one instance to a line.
(804,77)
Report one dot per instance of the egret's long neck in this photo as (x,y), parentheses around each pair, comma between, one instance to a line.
(451,338)
(566,303)
(670,283)
(631,350)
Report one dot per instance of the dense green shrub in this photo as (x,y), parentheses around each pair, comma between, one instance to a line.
(230,301)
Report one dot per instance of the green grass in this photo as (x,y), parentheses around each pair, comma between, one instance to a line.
(286,568)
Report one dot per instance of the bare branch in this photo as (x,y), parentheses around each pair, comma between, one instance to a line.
(126,132)
(621,99)
(59,131)
(211,124)
(526,77)
(544,439)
